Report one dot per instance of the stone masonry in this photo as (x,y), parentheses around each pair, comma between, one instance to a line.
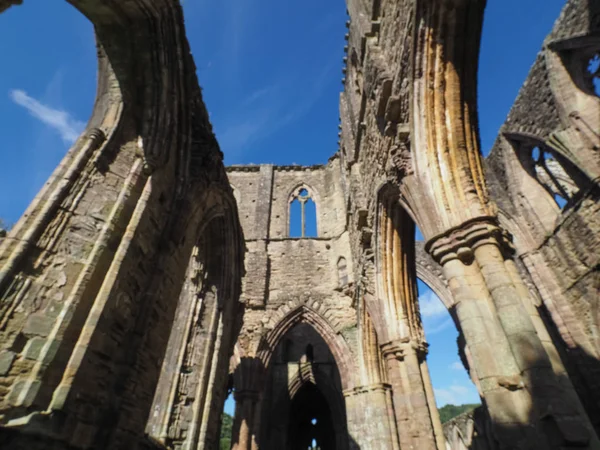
(146,280)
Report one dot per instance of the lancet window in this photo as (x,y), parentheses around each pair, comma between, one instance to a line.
(302,214)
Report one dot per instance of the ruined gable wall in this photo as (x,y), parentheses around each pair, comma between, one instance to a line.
(559,248)
(282,272)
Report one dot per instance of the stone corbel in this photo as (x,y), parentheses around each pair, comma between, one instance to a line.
(460,242)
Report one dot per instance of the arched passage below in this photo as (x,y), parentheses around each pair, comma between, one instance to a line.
(303,383)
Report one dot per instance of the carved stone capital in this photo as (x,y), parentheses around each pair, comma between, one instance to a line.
(400,348)
(460,242)
(97,136)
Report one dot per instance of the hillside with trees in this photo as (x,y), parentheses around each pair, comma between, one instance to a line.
(448,412)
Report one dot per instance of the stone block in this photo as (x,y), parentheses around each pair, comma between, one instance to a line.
(33,347)
(23,392)
(6,359)
(38,325)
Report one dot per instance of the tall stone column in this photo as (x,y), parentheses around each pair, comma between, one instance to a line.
(413,417)
(245,407)
(529,406)
(526,400)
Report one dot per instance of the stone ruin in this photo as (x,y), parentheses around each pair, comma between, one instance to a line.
(146,280)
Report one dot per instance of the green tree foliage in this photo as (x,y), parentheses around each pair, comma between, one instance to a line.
(448,412)
(226,428)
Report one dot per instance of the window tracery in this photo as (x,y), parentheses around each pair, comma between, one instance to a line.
(552,173)
(302,214)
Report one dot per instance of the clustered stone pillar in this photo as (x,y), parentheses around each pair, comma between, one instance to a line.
(404,347)
(526,401)
(413,417)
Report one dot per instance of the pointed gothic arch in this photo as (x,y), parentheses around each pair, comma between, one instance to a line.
(303,328)
(305,314)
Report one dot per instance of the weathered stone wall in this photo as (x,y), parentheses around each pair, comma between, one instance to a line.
(295,295)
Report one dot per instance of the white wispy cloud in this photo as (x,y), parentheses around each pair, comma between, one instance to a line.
(455,394)
(435,328)
(431,306)
(61,121)
(434,314)
(269,109)
(456,365)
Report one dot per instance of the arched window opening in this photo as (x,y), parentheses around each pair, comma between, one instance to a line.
(227,421)
(342,268)
(454,389)
(310,353)
(48,91)
(296,229)
(552,175)
(581,58)
(304,402)
(311,422)
(558,175)
(302,214)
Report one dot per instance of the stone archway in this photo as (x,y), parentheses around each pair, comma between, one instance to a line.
(302,383)
(301,347)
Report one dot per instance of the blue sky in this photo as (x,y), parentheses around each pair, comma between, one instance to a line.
(271,74)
